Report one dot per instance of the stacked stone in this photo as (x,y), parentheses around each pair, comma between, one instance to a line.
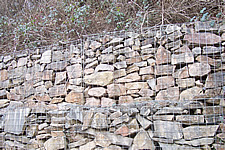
(172,78)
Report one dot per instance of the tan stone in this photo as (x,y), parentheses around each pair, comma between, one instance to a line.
(107,102)
(92,102)
(190,93)
(171,93)
(60,77)
(202,38)
(74,97)
(4,75)
(125,99)
(97,91)
(129,78)
(43,97)
(164,82)
(58,90)
(185,83)
(123,130)
(204,59)
(163,56)
(146,70)
(199,69)
(181,73)
(74,71)
(133,60)
(164,69)
(99,78)
(119,73)
(116,90)
(136,85)
(146,92)
(132,68)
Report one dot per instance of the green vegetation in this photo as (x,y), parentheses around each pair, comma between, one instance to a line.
(31,23)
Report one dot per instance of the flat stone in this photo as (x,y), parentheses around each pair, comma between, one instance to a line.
(22,62)
(60,77)
(136,85)
(115,41)
(74,71)
(142,141)
(122,130)
(181,73)
(152,83)
(164,82)
(119,120)
(118,139)
(133,60)
(183,58)
(173,45)
(88,119)
(129,78)
(169,110)
(7,58)
(199,69)
(120,65)
(185,83)
(125,99)
(76,81)
(93,102)
(203,131)
(202,38)
(46,57)
(97,91)
(151,62)
(108,58)
(163,117)
(145,123)
(171,93)
(197,51)
(94,45)
(215,80)
(147,51)
(116,90)
(91,65)
(172,28)
(99,121)
(163,129)
(163,56)
(15,120)
(99,78)
(164,69)
(132,68)
(210,61)
(102,140)
(190,119)
(190,93)
(74,97)
(77,143)
(57,66)
(19,72)
(205,26)
(55,143)
(213,110)
(104,67)
(146,70)
(58,90)
(107,50)
(76,113)
(141,64)
(165,146)
(107,102)
(119,73)
(146,92)
(132,54)
(212,50)
(5,84)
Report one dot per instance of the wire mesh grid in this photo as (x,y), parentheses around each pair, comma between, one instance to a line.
(158,88)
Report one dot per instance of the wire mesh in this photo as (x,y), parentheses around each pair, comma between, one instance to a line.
(158,88)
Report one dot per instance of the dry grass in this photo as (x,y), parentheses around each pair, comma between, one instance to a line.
(30,23)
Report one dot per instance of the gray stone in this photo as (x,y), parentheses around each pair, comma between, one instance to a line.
(146,92)
(119,140)
(164,146)
(141,64)
(74,71)
(129,78)
(7,59)
(57,56)
(119,120)
(199,69)
(22,62)
(19,72)
(104,67)
(152,83)
(99,78)
(185,83)
(182,58)
(46,57)
(3,93)
(142,141)
(57,66)
(202,38)
(55,143)
(163,129)
(169,110)
(92,64)
(172,28)
(119,73)
(99,121)
(215,80)
(94,45)
(15,120)
(205,26)
(60,77)
(197,51)
(181,73)
(164,82)
(164,69)
(146,70)
(212,49)
(97,91)
(102,140)
(115,41)
(163,117)
(58,90)
(107,50)
(136,85)
(132,68)
(190,93)
(163,56)
(203,131)
(120,65)
(116,90)
(171,93)
(174,45)
(77,143)
(145,123)
(190,119)
(108,58)
(76,113)
(76,81)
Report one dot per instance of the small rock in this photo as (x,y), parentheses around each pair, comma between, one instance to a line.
(199,69)
(136,85)
(163,56)
(99,121)
(202,38)
(116,90)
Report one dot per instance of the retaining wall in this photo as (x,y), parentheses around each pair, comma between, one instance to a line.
(162,88)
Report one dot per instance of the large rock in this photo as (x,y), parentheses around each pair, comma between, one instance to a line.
(104,67)
(210,61)
(183,58)
(57,66)
(116,90)
(199,69)
(181,73)
(60,77)
(163,56)
(171,93)
(58,90)
(169,130)
(215,80)
(190,93)
(129,78)
(212,50)
(3,75)
(99,121)
(108,58)
(190,119)
(202,38)
(97,91)
(15,120)
(92,102)
(119,73)
(94,45)
(99,78)
(165,146)
(46,57)
(74,71)
(119,140)
(203,131)
(146,70)
(164,69)
(55,143)
(75,97)
(136,85)
(164,82)
(185,83)
(142,141)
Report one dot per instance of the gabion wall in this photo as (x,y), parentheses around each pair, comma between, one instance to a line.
(162,88)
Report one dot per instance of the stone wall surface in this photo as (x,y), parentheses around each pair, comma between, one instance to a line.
(159,89)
